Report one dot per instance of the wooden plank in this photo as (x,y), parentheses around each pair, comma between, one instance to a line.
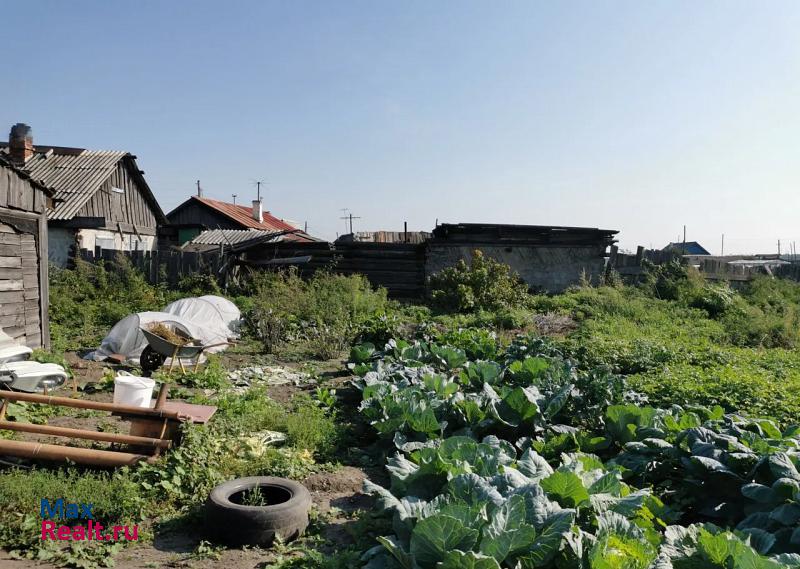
(10,262)
(11,321)
(11,297)
(9,238)
(15,331)
(9,308)
(10,274)
(7,285)
(30,281)
(9,250)
(44,284)
(33,340)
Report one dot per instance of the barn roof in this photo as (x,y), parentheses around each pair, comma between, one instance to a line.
(242,215)
(76,174)
(492,233)
(25,175)
(688,248)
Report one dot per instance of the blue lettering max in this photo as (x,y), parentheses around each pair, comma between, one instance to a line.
(69,511)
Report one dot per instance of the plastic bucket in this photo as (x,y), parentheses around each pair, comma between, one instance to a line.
(133,390)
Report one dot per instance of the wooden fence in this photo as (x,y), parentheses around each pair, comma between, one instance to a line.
(398,267)
(712,268)
(162,266)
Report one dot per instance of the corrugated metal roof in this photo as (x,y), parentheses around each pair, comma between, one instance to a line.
(229,236)
(243,215)
(75,174)
(237,239)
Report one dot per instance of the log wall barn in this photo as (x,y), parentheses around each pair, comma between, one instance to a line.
(398,267)
(23,258)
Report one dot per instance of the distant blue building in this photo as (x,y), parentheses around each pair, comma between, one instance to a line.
(688,248)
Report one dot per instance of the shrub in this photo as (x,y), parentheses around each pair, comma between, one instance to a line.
(199,284)
(484,283)
(311,427)
(85,302)
(324,311)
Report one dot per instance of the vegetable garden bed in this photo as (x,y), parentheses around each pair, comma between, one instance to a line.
(522,461)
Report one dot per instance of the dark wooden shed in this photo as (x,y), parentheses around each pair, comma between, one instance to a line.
(23,257)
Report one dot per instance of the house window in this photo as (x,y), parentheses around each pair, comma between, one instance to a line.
(104,243)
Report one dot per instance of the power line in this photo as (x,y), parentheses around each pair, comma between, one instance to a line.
(351,217)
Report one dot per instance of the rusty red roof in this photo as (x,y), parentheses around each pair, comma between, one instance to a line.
(243,215)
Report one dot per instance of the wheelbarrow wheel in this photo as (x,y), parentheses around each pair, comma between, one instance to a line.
(150,361)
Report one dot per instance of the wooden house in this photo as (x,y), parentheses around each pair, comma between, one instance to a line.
(198,214)
(101,199)
(23,257)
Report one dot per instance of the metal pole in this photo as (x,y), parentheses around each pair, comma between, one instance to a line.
(83,404)
(71,454)
(84,434)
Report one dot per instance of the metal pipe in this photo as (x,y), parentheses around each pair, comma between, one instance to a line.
(93,457)
(162,395)
(84,434)
(83,404)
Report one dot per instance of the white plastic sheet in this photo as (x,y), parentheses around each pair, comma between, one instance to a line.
(126,338)
(210,310)
(229,311)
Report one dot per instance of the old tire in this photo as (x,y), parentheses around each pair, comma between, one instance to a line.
(232,523)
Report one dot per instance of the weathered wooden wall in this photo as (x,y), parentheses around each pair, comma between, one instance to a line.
(398,267)
(161,266)
(23,260)
(196,214)
(17,192)
(129,207)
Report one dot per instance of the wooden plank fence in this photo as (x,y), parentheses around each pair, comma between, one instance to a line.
(398,267)
(159,266)
(712,268)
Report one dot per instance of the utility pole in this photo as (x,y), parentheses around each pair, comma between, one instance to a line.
(234,198)
(684,239)
(350,217)
(199,191)
(779,248)
(722,249)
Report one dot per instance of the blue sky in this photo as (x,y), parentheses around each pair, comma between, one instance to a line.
(637,116)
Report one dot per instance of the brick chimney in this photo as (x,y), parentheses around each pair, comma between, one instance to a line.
(20,143)
(258,211)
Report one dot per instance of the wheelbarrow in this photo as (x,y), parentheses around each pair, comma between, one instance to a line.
(159,349)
